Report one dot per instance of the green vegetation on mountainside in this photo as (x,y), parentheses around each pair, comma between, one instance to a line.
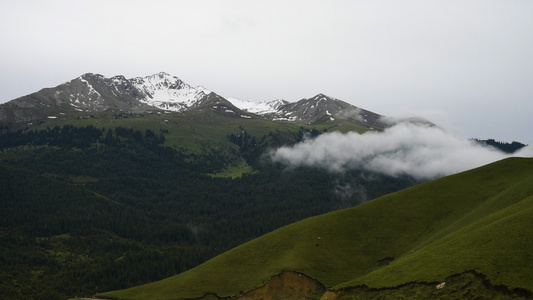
(477,220)
(193,131)
(154,210)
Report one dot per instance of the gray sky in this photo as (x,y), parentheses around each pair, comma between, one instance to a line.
(467,65)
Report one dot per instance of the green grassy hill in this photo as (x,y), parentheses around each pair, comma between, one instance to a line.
(478,221)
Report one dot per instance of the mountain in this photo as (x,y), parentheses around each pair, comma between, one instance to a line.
(463,236)
(168,92)
(318,109)
(322,108)
(94,93)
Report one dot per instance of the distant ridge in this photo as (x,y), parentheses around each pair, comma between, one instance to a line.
(94,93)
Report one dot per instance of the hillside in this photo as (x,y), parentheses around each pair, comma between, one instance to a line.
(171,191)
(476,222)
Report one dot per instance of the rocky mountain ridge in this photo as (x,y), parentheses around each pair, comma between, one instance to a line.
(161,91)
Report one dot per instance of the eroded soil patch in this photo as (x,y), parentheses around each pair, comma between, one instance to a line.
(287,285)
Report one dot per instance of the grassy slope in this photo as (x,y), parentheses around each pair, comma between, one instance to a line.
(196,129)
(477,220)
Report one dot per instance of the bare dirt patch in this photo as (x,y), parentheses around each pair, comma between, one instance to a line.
(287,285)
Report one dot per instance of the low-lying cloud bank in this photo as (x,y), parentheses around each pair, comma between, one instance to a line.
(423,152)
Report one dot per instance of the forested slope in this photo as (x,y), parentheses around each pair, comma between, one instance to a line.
(89,209)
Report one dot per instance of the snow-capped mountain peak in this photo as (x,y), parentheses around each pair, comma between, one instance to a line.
(94,92)
(168,92)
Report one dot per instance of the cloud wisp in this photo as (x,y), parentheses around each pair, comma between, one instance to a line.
(423,152)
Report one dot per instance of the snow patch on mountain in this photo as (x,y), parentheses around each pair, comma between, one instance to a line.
(258,108)
(168,92)
(92,91)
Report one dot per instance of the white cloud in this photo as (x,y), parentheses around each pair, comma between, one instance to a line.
(423,152)
(525,152)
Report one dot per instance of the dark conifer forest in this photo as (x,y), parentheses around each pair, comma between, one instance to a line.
(86,209)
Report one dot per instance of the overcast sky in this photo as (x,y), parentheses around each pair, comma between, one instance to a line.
(467,65)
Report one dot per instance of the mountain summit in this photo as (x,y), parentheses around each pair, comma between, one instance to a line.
(93,92)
